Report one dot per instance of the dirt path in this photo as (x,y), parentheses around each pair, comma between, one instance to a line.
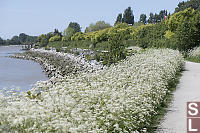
(187,90)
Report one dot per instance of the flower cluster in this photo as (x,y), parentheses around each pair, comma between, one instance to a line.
(194,52)
(194,55)
(121,98)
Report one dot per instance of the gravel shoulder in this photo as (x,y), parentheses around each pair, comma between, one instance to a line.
(187,90)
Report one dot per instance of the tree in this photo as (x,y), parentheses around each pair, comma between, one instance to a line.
(116,48)
(49,35)
(72,28)
(162,14)
(43,39)
(75,26)
(194,4)
(186,28)
(18,40)
(99,25)
(128,16)
(22,37)
(68,33)
(157,18)
(143,18)
(44,42)
(119,19)
(56,32)
(1,41)
(151,18)
(39,39)
(15,41)
(87,29)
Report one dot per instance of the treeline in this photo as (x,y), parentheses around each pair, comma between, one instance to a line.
(194,4)
(128,17)
(19,40)
(68,33)
(95,32)
(180,30)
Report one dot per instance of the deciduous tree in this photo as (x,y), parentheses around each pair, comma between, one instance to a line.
(99,25)
(75,26)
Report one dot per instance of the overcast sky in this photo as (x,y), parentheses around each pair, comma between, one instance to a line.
(35,17)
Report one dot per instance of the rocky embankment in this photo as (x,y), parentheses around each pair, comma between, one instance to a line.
(58,64)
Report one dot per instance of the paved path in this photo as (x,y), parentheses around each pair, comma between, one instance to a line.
(187,90)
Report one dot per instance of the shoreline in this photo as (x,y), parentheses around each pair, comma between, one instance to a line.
(58,64)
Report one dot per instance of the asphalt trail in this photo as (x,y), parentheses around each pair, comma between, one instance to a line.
(187,90)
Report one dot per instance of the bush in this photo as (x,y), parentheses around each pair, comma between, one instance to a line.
(151,35)
(55,38)
(181,31)
(185,29)
(78,36)
(116,49)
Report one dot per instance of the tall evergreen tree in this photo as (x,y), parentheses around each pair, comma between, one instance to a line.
(119,18)
(128,16)
(157,18)
(151,18)
(143,18)
(162,14)
(56,32)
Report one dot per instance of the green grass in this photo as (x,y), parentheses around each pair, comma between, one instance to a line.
(193,59)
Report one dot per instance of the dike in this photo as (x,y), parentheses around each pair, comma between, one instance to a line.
(59,64)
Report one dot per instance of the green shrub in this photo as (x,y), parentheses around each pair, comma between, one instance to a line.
(55,38)
(185,28)
(97,57)
(88,57)
(116,49)
(151,35)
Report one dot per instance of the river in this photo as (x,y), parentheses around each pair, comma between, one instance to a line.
(18,73)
